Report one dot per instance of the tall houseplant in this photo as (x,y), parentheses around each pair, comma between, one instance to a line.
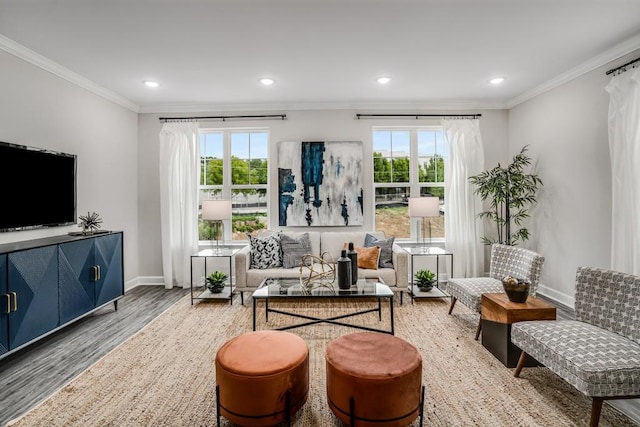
(511,191)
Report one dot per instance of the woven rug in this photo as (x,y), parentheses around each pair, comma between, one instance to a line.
(164,375)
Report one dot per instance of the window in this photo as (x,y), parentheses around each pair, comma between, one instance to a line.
(408,162)
(234,165)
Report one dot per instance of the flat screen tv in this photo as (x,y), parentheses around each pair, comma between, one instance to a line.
(37,188)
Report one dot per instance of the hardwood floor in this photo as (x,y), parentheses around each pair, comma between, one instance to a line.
(37,371)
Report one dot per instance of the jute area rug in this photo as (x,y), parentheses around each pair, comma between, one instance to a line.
(164,375)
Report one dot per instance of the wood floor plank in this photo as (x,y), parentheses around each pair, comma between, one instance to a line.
(37,371)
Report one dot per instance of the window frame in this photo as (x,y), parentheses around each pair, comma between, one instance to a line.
(227,188)
(414,184)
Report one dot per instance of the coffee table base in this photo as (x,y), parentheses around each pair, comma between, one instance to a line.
(334,320)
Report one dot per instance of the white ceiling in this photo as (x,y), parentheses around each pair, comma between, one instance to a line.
(322,53)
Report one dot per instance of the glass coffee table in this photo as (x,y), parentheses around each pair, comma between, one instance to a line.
(291,289)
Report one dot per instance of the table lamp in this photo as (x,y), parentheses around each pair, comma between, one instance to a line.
(424,207)
(216,211)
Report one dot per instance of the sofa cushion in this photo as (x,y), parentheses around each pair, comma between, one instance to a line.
(386,249)
(469,290)
(368,258)
(293,249)
(265,251)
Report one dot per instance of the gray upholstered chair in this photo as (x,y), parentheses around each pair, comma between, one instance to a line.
(505,261)
(599,352)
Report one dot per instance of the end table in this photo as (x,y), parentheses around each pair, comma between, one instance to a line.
(498,314)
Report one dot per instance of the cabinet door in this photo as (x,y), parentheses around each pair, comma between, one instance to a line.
(5,306)
(109,260)
(77,282)
(33,276)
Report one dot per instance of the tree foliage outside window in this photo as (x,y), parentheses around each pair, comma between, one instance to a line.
(244,155)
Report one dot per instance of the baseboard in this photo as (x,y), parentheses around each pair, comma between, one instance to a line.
(144,281)
(557,297)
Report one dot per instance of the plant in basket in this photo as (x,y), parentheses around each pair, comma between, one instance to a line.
(425,280)
(216,281)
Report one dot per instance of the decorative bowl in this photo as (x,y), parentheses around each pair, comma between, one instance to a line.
(517,290)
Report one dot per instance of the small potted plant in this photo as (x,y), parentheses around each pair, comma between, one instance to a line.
(425,279)
(216,281)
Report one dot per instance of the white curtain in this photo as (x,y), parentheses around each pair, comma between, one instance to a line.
(179,177)
(463,227)
(624,149)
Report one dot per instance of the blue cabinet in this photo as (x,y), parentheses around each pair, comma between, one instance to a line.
(48,283)
(5,306)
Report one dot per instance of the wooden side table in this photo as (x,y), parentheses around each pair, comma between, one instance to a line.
(498,314)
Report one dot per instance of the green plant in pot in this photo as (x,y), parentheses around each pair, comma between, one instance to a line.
(425,280)
(511,191)
(216,281)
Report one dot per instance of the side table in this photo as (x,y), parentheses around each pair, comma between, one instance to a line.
(498,314)
(428,252)
(213,253)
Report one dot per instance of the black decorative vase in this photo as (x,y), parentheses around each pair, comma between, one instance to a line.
(353,256)
(517,290)
(344,271)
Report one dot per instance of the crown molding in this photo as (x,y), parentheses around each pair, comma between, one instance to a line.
(604,58)
(56,69)
(311,106)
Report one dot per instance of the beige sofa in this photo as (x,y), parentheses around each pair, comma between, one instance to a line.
(248,279)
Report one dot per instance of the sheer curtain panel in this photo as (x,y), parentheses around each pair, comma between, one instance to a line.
(624,149)
(179,177)
(464,229)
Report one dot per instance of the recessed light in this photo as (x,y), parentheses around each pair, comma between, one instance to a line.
(496,80)
(267,81)
(151,83)
(383,80)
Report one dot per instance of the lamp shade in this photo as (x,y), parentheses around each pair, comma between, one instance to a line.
(424,206)
(216,210)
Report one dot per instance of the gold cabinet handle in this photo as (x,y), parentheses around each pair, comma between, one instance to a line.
(94,270)
(98,271)
(15,301)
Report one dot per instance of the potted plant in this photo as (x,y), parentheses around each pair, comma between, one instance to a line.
(216,281)
(425,279)
(510,191)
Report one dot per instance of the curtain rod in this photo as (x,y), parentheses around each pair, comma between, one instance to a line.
(225,118)
(417,116)
(623,67)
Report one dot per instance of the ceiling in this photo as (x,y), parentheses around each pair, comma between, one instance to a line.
(209,54)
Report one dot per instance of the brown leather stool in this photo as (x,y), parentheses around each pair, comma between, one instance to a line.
(262,378)
(374,379)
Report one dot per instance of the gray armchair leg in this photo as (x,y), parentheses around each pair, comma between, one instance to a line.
(453,302)
(479,329)
(596,408)
(520,365)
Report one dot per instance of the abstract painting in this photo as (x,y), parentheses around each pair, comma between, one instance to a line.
(320,183)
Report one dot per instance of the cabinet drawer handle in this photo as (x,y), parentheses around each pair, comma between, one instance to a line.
(8,303)
(98,268)
(15,301)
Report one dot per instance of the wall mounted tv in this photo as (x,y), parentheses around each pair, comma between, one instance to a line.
(37,188)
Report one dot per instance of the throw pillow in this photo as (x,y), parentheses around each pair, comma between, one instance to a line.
(265,251)
(386,249)
(293,249)
(368,257)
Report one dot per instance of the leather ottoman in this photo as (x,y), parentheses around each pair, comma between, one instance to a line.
(374,379)
(262,378)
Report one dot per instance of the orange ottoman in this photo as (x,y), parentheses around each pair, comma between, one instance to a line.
(374,379)
(262,378)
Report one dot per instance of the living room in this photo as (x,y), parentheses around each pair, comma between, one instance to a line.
(562,117)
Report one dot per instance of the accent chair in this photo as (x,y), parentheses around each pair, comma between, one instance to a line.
(505,261)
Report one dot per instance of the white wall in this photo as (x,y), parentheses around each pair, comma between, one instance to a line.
(567,131)
(326,125)
(42,110)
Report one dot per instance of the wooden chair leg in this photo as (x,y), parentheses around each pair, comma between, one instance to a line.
(453,302)
(596,408)
(520,365)
(479,329)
